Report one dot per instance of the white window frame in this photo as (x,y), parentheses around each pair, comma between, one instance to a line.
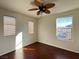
(30,27)
(69,34)
(9,25)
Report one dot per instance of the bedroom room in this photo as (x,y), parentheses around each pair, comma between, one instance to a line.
(39,29)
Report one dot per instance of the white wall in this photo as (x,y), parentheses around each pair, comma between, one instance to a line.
(7,44)
(47,31)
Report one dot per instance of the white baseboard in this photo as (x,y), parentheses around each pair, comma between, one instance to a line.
(60,47)
(8,51)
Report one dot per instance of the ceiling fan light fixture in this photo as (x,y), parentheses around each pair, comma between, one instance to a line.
(43,8)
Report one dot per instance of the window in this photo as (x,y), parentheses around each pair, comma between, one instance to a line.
(64,28)
(31,27)
(9,25)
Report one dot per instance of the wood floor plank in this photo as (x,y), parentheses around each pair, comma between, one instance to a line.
(40,51)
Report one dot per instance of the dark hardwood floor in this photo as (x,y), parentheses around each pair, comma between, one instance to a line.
(40,51)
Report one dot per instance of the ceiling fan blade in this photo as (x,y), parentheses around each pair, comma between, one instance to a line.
(47,11)
(49,5)
(37,2)
(33,9)
(38,12)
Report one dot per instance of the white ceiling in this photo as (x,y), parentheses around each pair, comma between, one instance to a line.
(22,6)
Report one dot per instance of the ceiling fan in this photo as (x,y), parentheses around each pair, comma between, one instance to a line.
(42,7)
